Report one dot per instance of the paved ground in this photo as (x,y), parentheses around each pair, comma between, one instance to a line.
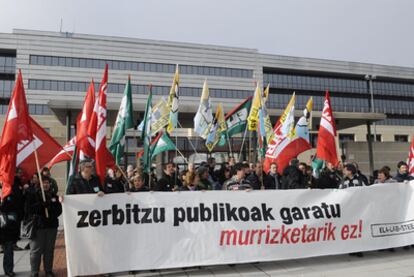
(398,263)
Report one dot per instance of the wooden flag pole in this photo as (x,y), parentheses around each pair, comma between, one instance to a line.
(125,176)
(242,145)
(40,177)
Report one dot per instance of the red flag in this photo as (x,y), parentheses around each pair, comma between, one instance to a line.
(86,143)
(102,155)
(16,132)
(411,159)
(45,146)
(326,148)
(65,154)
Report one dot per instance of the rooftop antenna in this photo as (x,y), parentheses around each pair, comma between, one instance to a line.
(61,24)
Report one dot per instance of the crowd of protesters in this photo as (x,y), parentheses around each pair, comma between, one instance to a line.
(43,207)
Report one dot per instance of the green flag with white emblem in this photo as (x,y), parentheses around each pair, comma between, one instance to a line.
(123,122)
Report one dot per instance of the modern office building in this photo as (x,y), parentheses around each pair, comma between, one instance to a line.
(57,68)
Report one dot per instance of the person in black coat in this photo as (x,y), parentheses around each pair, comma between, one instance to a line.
(43,242)
(115,183)
(12,206)
(330,177)
(293,178)
(169,180)
(85,181)
(256,178)
(273,180)
(402,174)
(138,184)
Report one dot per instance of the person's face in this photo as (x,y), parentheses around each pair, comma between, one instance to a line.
(403,169)
(87,169)
(118,174)
(212,163)
(231,161)
(205,175)
(170,169)
(330,166)
(138,183)
(273,169)
(46,184)
(240,174)
(46,173)
(227,174)
(347,173)
(302,168)
(35,179)
(259,169)
(252,167)
(191,167)
(381,177)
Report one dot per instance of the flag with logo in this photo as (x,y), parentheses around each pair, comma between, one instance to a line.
(326,146)
(65,154)
(173,102)
(254,111)
(124,121)
(146,134)
(204,115)
(411,159)
(216,128)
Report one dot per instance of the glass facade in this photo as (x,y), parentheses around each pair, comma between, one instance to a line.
(136,89)
(34,109)
(7,64)
(140,66)
(347,94)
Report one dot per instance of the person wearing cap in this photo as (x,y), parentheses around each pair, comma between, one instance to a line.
(238,181)
(85,181)
(351,178)
(402,174)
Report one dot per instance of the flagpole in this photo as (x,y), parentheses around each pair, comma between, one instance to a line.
(123,174)
(185,159)
(40,177)
(189,140)
(228,141)
(242,145)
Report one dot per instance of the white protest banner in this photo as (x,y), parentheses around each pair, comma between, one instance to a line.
(121,232)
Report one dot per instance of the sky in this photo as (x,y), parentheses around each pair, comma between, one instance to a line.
(373,31)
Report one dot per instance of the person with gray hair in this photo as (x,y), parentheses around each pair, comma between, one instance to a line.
(85,181)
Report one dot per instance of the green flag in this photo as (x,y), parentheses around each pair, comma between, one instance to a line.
(162,144)
(146,134)
(123,122)
(236,120)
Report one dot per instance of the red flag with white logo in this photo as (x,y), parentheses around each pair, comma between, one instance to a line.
(16,131)
(46,146)
(97,130)
(326,148)
(86,144)
(411,159)
(65,154)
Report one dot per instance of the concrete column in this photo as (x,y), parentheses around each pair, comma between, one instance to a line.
(370,151)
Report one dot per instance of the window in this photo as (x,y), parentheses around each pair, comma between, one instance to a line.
(401,138)
(372,137)
(346,137)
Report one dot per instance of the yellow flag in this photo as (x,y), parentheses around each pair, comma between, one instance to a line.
(266,93)
(173,102)
(216,128)
(253,118)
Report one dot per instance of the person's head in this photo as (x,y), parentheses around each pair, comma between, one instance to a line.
(349,170)
(169,168)
(356,166)
(117,173)
(386,167)
(35,179)
(86,169)
(202,172)
(226,173)
(130,171)
(211,162)
(309,170)
(46,183)
(330,166)
(294,162)
(252,167)
(302,168)
(19,172)
(259,169)
(191,167)
(239,171)
(191,179)
(110,173)
(45,172)
(138,181)
(273,168)
(246,168)
(383,175)
(402,167)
